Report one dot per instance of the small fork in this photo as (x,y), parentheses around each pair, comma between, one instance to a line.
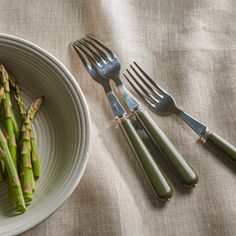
(163,103)
(107,64)
(153,173)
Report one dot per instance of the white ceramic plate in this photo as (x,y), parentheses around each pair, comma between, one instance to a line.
(61,129)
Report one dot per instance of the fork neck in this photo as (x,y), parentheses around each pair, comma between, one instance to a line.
(197,126)
(117,80)
(106,87)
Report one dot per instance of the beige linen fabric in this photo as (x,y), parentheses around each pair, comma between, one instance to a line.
(189,48)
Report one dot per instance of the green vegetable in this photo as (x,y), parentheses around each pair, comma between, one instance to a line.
(7,111)
(34,153)
(20,189)
(27,177)
(16,195)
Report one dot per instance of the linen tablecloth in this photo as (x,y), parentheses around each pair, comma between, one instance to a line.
(189,48)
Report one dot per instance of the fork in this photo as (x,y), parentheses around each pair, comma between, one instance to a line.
(153,173)
(108,66)
(162,102)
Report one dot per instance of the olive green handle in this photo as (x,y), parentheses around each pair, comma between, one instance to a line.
(223,145)
(183,169)
(156,179)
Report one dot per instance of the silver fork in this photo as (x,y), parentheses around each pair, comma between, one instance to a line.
(162,102)
(153,174)
(108,65)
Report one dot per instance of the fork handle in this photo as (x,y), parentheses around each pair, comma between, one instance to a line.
(182,168)
(228,149)
(153,174)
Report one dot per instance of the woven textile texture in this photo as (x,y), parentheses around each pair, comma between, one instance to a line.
(189,48)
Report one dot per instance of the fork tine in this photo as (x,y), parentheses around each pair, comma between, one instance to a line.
(145,82)
(89,56)
(102,46)
(96,56)
(145,98)
(99,51)
(134,87)
(141,87)
(82,58)
(149,78)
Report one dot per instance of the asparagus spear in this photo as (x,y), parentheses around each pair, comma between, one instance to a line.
(35,106)
(26,166)
(16,89)
(34,157)
(16,129)
(16,195)
(2,171)
(34,153)
(1,94)
(27,178)
(2,165)
(17,94)
(7,110)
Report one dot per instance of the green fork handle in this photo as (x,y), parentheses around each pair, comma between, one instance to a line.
(228,149)
(182,168)
(156,179)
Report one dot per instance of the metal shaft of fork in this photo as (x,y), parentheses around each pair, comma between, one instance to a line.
(196,125)
(116,108)
(130,101)
(128,98)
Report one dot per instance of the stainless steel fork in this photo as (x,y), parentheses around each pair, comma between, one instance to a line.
(108,66)
(156,179)
(162,102)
